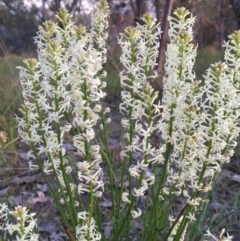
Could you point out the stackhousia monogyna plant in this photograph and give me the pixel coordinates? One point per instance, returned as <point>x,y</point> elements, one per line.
<point>196,121</point>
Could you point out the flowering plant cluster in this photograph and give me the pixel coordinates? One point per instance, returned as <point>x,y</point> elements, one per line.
<point>24,225</point>
<point>197,122</point>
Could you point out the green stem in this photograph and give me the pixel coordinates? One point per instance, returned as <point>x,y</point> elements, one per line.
<point>56,199</point>
<point>88,158</point>
<point>72,210</point>
<point>190,209</point>
<point>154,213</point>
<point>49,154</point>
<point>130,155</point>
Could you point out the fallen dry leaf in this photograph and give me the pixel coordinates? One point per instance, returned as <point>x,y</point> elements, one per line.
<point>40,199</point>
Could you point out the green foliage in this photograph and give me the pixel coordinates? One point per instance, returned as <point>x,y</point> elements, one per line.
<point>15,14</point>
<point>222,211</point>
<point>11,100</point>
<point>113,88</point>
<point>205,57</point>
<point>10,92</point>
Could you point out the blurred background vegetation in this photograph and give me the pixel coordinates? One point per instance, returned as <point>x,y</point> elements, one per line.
<point>19,21</point>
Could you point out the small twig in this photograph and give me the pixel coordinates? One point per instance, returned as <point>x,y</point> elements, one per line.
<point>9,143</point>
<point>232,175</point>
<point>176,221</point>
<point>113,63</point>
<point>68,232</point>
<point>8,180</point>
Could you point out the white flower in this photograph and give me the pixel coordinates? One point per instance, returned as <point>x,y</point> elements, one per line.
<point>108,120</point>
<point>125,197</point>
<point>107,110</point>
<point>139,192</point>
<point>136,214</point>
<point>97,108</point>
<point>4,211</point>
<point>88,229</point>
<point>142,165</point>
<point>191,217</point>
<point>150,178</point>
<point>99,26</point>
<point>90,174</point>
<point>54,116</point>
<point>134,171</point>
<point>220,238</point>
<point>175,229</point>
<point>24,226</point>
<point>89,135</point>
<point>139,52</point>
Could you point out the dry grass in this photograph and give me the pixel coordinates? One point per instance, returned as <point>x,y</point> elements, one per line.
<point>11,100</point>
